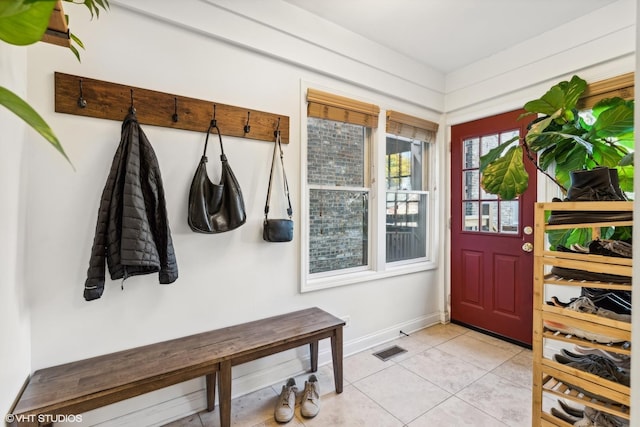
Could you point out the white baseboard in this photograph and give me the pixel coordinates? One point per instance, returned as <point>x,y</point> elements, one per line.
<point>163,406</point>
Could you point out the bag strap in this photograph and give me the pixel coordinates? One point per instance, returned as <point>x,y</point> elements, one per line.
<point>276,146</point>
<point>213,125</point>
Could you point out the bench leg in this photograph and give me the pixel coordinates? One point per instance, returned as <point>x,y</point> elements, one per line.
<point>211,392</point>
<point>224,391</point>
<point>313,349</point>
<point>336,355</point>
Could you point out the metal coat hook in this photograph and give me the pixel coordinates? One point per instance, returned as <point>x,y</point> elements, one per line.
<point>82,103</point>
<point>214,122</point>
<point>277,131</point>
<point>247,128</point>
<point>175,110</point>
<point>132,109</point>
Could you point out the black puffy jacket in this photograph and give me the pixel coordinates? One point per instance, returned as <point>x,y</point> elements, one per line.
<point>132,231</point>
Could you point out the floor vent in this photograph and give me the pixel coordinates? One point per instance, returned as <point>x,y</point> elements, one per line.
<point>388,353</point>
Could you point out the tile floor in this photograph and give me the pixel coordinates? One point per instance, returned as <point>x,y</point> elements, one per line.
<point>450,376</point>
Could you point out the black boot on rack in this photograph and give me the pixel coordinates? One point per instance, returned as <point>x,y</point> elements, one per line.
<point>615,183</point>
<point>600,184</point>
<point>593,185</point>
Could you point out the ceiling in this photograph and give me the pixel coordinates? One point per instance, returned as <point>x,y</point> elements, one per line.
<point>449,34</point>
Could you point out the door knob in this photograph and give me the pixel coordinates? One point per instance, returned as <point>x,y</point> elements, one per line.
<point>527,247</point>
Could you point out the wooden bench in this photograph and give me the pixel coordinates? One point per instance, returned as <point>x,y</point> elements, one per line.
<point>77,387</point>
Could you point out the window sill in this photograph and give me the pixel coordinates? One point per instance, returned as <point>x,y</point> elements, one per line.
<point>311,285</point>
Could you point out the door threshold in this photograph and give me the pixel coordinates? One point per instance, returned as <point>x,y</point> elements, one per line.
<point>492,334</point>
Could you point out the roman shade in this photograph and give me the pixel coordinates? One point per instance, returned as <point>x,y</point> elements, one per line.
<point>328,106</point>
<point>411,127</point>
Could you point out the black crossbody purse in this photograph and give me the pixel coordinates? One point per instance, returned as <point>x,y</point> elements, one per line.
<point>278,230</point>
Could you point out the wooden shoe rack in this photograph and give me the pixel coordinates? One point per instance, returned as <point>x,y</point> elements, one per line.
<point>552,379</point>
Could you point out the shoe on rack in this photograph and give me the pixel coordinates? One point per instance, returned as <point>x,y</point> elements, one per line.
<point>310,403</point>
<point>596,365</point>
<point>586,305</point>
<point>286,402</point>
<point>602,419</point>
<point>611,299</point>
<point>581,275</point>
<point>564,417</point>
<point>598,184</point>
<point>597,354</point>
<point>580,333</point>
<point>622,361</point>
<point>578,413</point>
<point>613,248</point>
<point>570,415</point>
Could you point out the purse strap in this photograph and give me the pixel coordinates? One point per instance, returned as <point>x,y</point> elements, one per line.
<point>213,125</point>
<point>276,146</point>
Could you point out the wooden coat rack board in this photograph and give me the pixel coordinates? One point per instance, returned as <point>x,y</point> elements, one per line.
<point>83,96</point>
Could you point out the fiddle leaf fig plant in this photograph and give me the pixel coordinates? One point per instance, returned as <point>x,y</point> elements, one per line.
<point>564,139</point>
<point>24,22</point>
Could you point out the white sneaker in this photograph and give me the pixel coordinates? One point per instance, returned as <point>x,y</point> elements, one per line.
<point>310,404</point>
<point>286,402</point>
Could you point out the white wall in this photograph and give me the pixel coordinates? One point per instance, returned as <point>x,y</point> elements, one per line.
<point>227,278</point>
<point>15,352</point>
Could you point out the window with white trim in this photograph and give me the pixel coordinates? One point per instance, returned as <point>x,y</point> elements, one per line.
<point>339,184</point>
<point>357,230</point>
<point>407,199</point>
<point>407,187</point>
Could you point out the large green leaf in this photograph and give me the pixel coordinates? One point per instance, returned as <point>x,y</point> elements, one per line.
<point>496,153</point>
<point>620,233</point>
<point>608,103</point>
<point>23,23</point>
<point>606,154</point>
<point>573,159</point>
<point>506,176</point>
<point>573,90</point>
<point>23,110</point>
<point>568,152</point>
<point>548,139</point>
<point>538,128</point>
<point>549,103</point>
<point>625,177</point>
<point>568,237</point>
<point>613,122</point>
<point>561,98</point>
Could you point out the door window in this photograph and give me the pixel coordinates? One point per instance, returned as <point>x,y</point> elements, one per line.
<point>483,212</point>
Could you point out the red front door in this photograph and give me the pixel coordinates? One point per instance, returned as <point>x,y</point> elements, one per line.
<point>491,272</point>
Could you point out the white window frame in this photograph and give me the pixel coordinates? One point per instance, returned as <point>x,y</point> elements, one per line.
<point>377,267</point>
<point>428,177</point>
